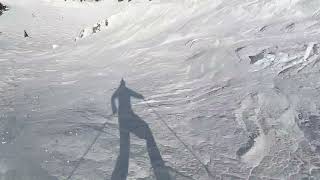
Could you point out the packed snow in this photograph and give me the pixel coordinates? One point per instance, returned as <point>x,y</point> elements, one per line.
<point>231,88</point>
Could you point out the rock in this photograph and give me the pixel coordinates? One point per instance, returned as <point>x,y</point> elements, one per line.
<point>92,30</point>
<point>264,53</point>
<point>256,58</point>
<point>263,28</point>
<point>106,22</point>
<point>290,27</point>
<point>25,34</point>
<point>96,28</point>
<point>247,146</point>
<point>2,8</point>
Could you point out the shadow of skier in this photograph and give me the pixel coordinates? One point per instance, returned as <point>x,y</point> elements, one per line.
<point>129,122</point>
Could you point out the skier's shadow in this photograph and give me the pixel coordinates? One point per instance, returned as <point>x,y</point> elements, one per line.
<point>129,122</point>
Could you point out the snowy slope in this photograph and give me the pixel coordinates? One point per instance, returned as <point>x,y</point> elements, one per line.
<point>237,80</point>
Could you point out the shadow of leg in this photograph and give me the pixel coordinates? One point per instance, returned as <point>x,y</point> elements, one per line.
<point>120,171</point>
<point>160,170</point>
<point>142,130</point>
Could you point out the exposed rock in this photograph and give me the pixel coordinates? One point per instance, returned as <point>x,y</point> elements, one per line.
<point>263,28</point>
<point>92,30</point>
<point>25,34</point>
<point>263,54</point>
<point>247,146</point>
<point>290,27</point>
<point>3,8</point>
<point>256,58</point>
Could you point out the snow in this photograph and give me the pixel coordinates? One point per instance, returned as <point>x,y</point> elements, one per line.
<point>191,59</point>
<point>55,46</point>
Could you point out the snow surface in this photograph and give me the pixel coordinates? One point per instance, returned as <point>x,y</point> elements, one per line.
<point>237,80</point>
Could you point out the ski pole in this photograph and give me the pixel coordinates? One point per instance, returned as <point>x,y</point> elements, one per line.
<point>88,149</point>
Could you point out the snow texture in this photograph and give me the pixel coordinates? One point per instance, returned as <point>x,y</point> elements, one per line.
<point>231,88</point>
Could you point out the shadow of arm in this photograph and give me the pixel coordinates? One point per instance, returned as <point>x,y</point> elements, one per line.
<point>135,94</point>
<point>113,102</point>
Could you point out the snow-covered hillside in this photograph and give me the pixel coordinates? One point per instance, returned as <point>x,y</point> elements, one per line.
<point>236,80</point>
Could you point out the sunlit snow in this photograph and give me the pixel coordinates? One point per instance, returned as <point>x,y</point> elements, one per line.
<point>231,88</point>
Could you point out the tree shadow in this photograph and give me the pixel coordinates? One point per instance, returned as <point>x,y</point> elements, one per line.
<point>129,122</point>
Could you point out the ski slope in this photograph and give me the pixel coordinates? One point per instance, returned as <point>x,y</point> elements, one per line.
<point>236,80</point>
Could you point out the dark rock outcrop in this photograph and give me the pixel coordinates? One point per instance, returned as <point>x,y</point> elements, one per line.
<point>256,58</point>
<point>247,146</point>
<point>3,8</point>
<point>25,34</point>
